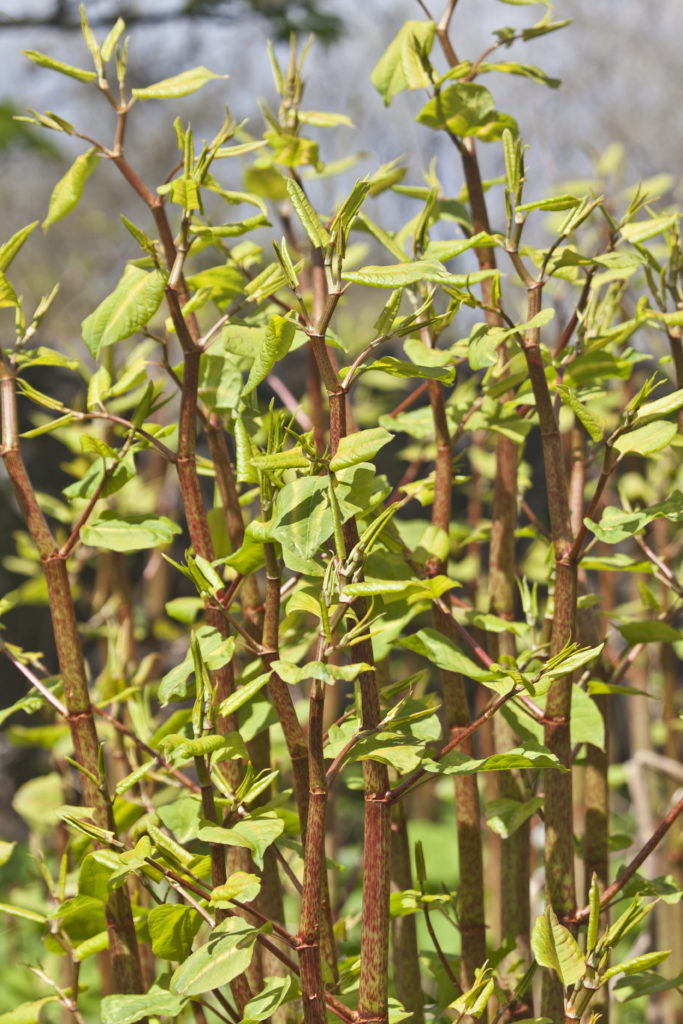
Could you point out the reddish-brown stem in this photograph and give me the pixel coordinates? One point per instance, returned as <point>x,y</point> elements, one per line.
<point>312,987</point>
<point>411,398</point>
<point>403,928</point>
<point>123,947</point>
<point>467,811</point>
<point>374,967</point>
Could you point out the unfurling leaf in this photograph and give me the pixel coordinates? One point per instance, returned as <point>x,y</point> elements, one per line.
<point>275,346</point>
<point>69,189</point>
<point>179,85</point>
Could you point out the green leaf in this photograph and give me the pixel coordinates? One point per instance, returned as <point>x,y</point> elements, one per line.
<point>617,524</point>
<point>307,215</point>
<point>359,447</point>
<point>112,38</point>
<point>562,202</point>
<point>303,517</point>
<point>639,963</point>
<point>122,472</point>
<point>94,874</point>
<point>293,458</point>
<point>117,532</point>
<point>69,189</point>
<point>27,1013</point>
<point>44,61</point>
<point>276,344</point>
<point>442,250</point>
<point>505,816</point>
<point>325,672</point>
<point>275,992</point>
<point>650,633</point>
<point>400,368</point>
<point>8,296</point>
<point>256,833</point>
<point>243,694</point>
<point>226,955</point>
<point>27,915</point>
<point>130,307</point>
<point>441,652</point>
<point>6,850</point>
<point>37,801</point>
<point>592,423</point>
<point>399,275</point>
<point>645,985</point>
<point>216,651</point>
<point>641,230</point>
<point>648,439</point>
<point>466,108</point>
<point>531,755</point>
<point>400,66</point>
<point>555,947</point>
<point>157,1001</point>
<point>586,724</point>
<point>239,886</point>
<point>10,249</point>
<point>179,85</point>
<point>658,407</point>
<point>172,927</point>
<point>510,67</point>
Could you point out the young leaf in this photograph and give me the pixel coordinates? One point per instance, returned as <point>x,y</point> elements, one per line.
<point>179,85</point>
<point>256,834</point>
<point>652,632</point>
<point>112,38</point>
<point>648,439</point>
<point>466,108</point>
<point>8,296</point>
<point>172,928</point>
<point>116,532</point>
<point>307,215</point>
<point>243,694</point>
<point>555,947</point>
<point>617,524</point>
<point>276,344</point>
<point>10,249</point>
<point>239,886</point>
<point>441,652</point>
<point>359,447</point>
<point>43,61</point>
<point>69,189</point>
<point>397,68</point>
<point>275,992</point>
<point>226,955</point>
<point>122,1009</point>
<point>401,274</point>
<point>590,422</point>
<point>658,407</point>
<point>130,307</point>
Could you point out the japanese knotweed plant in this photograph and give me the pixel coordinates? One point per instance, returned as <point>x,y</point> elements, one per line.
<point>301,572</point>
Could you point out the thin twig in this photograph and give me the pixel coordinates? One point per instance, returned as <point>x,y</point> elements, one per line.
<point>34,681</point>
<point>618,884</point>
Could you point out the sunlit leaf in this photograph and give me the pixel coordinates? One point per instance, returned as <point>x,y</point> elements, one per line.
<point>130,307</point>
<point>69,189</point>
<point>129,533</point>
<point>555,947</point>
<point>179,85</point>
<point>226,955</point>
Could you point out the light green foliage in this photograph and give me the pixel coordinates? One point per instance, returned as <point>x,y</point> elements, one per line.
<point>305,544</point>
